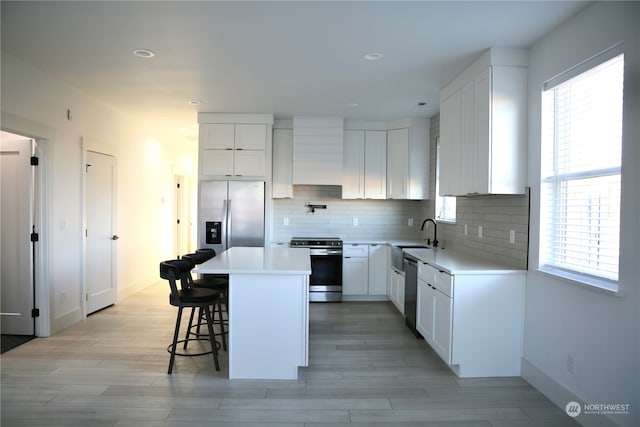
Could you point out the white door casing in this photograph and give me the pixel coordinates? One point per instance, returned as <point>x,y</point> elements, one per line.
<point>16,281</point>
<point>100,230</point>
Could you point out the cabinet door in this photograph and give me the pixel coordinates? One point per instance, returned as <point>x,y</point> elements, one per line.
<point>353,174</point>
<point>378,262</point>
<point>450,140</point>
<point>468,153</point>
<point>397,163</point>
<point>425,310</point>
<point>216,162</point>
<point>396,294</point>
<point>250,163</point>
<point>217,136</point>
<point>482,132</point>
<point>282,163</point>
<point>355,276</point>
<point>375,165</point>
<point>250,137</point>
<point>442,325</point>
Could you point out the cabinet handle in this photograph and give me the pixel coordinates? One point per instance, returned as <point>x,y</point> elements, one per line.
<point>229,149</point>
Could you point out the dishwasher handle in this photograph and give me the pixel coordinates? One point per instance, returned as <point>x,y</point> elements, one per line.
<point>410,261</point>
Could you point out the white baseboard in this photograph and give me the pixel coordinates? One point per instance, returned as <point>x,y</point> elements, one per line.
<point>561,396</point>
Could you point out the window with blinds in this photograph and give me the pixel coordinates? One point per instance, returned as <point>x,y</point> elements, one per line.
<point>581,171</point>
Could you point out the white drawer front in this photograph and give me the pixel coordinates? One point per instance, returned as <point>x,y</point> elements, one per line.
<point>427,273</point>
<point>444,282</point>
<point>355,250</point>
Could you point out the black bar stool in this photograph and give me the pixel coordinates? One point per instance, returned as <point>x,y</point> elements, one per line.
<point>218,283</point>
<point>190,297</point>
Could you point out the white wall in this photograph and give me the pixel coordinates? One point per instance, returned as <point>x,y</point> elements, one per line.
<point>599,330</point>
<point>35,105</point>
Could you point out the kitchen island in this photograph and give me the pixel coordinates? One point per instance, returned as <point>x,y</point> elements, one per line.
<point>268,310</point>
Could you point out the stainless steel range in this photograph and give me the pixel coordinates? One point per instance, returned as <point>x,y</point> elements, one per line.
<point>325,282</point>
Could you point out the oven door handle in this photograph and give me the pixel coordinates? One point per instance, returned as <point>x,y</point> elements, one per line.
<point>326,252</point>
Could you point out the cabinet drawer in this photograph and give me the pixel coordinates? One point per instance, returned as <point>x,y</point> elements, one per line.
<point>355,250</point>
<point>427,273</point>
<point>444,283</point>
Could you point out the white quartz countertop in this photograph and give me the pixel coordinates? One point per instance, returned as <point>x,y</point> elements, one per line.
<point>460,263</point>
<point>243,260</point>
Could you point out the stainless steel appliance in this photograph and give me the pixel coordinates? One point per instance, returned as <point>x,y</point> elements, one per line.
<point>230,213</point>
<point>325,282</point>
<point>411,293</point>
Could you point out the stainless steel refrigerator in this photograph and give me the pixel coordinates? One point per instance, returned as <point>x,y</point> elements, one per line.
<point>230,213</point>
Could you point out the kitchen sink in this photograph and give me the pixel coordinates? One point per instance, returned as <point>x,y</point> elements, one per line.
<point>396,254</point>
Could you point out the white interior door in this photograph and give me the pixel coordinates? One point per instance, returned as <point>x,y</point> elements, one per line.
<point>100,231</point>
<point>16,273</point>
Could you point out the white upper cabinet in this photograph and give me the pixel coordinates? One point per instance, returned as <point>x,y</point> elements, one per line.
<point>318,150</point>
<point>365,164</point>
<point>483,124</point>
<point>282,186</point>
<point>353,173</point>
<point>398,163</point>
<point>408,161</point>
<point>235,145</point>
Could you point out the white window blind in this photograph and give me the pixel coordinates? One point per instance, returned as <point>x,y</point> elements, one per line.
<point>581,171</point>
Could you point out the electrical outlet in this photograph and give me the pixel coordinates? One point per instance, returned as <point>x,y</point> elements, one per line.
<point>410,222</point>
<point>512,236</point>
<point>466,230</point>
<point>355,222</point>
<point>571,364</point>
<point>480,231</point>
<point>285,221</point>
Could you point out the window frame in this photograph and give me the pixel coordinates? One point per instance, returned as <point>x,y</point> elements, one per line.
<point>563,272</point>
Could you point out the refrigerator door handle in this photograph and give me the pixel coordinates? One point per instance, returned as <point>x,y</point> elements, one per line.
<point>225,226</point>
<point>229,226</point>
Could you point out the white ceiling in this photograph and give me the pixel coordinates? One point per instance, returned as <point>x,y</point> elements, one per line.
<point>287,58</point>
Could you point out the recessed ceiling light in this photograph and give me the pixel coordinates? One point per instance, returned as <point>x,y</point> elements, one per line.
<point>194,102</point>
<point>352,104</point>
<point>143,53</point>
<point>373,56</point>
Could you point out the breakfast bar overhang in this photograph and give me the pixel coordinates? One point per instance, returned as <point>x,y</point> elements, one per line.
<point>268,309</point>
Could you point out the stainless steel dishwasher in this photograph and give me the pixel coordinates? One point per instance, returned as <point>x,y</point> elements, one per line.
<point>411,292</point>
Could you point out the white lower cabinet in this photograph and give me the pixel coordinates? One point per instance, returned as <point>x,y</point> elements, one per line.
<point>378,262</point>
<point>442,324</point>
<point>355,270</point>
<point>424,310</point>
<point>474,321</point>
<point>395,290</point>
<point>364,271</point>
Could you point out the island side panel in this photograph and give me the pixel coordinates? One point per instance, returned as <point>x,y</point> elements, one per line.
<point>268,325</point>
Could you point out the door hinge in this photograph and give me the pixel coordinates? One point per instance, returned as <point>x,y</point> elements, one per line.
<point>34,237</point>
<point>178,185</point>
<point>178,221</point>
<point>35,312</point>
<point>34,161</point>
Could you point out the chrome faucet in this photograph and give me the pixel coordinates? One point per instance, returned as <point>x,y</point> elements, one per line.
<point>435,230</point>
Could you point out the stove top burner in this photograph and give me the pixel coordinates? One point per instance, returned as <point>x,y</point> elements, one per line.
<point>316,242</point>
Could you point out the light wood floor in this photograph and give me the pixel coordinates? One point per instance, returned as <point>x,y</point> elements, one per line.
<point>365,369</point>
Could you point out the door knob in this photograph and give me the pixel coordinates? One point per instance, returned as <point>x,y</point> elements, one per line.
<point>115,237</point>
